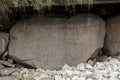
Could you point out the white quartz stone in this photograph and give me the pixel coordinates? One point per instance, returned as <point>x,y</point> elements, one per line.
<point>107,70</point>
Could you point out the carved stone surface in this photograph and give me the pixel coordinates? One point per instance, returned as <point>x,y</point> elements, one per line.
<point>50,43</point>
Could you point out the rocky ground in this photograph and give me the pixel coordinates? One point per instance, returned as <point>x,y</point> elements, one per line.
<point>108,69</point>
<point>16,66</point>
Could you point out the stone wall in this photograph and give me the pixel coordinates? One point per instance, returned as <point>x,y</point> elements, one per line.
<point>49,43</point>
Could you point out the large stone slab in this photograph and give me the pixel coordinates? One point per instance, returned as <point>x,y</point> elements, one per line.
<point>86,34</point>
<point>50,43</point>
<point>112,41</point>
<point>3,42</point>
<point>7,78</point>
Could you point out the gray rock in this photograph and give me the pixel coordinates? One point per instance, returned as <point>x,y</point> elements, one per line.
<point>47,78</point>
<point>88,32</point>
<point>8,78</point>
<point>3,42</point>
<point>1,66</point>
<point>112,41</point>
<point>6,63</point>
<point>50,43</point>
<point>8,71</point>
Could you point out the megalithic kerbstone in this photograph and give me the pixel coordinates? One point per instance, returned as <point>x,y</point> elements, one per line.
<point>3,42</point>
<point>112,40</point>
<point>50,43</point>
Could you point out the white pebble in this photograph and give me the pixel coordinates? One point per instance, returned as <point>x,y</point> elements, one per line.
<point>58,77</point>
<point>107,70</point>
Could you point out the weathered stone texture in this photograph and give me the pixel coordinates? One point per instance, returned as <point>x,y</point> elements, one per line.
<point>3,42</point>
<point>112,41</point>
<point>8,78</point>
<point>50,43</point>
